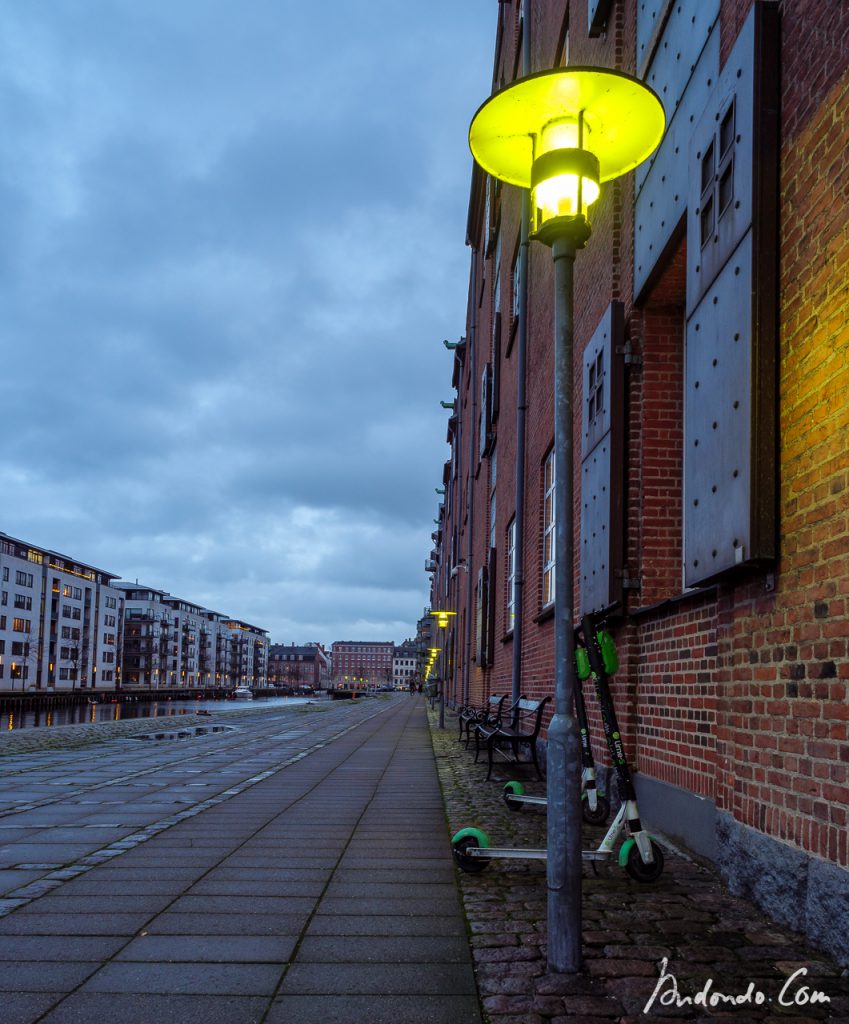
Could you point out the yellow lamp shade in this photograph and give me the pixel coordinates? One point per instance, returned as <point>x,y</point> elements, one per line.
<point>620,119</point>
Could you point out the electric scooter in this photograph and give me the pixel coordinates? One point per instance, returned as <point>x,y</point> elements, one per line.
<point>639,854</point>
<point>595,807</point>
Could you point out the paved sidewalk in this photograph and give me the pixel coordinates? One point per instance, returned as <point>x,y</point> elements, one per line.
<point>687,917</point>
<point>322,893</point>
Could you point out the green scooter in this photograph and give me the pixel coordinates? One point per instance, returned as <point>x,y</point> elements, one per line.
<point>595,807</point>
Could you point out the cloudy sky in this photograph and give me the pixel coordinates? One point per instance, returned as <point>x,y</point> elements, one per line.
<point>232,242</point>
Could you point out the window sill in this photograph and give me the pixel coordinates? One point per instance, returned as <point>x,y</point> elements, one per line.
<point>546,614</point>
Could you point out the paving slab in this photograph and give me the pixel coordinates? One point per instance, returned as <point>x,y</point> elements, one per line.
<point>273,949</point>
<point>374,1009</point>
<point>139,1008</point>
<point>25,1007</point>
<point>187,978</point>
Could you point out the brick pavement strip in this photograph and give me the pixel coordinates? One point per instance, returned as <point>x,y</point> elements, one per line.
<point>687,918</point>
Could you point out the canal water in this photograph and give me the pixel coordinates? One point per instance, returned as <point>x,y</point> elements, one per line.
<point>76,714</point>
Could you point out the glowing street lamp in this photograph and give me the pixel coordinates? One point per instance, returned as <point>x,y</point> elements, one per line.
<point>442,620</point>
<point>562,133</point>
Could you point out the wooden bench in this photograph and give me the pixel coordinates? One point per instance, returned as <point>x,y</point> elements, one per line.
<point>511,732</point>
<point>471,716</point>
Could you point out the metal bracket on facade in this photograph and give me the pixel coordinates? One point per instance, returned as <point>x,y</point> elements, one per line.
<point>630,357</point>
<point>629,582</point>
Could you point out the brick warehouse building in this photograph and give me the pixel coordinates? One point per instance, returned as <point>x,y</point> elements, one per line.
<point>711,415</point>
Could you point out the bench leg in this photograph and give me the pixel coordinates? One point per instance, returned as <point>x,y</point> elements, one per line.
<point>489,754</point>
<point>534,758</point>
<point>477,745</point>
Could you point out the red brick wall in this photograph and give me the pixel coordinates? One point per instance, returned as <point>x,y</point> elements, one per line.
<point>740,693</point>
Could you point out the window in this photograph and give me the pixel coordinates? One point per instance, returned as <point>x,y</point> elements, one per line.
<point>548,521</point>
<point>2,621</point>
<point>23,579</point>
<point>66,590</point>
<point>5,598</point>
<point>5,573</point>
<point>109,657</point>
<point>107,676</point>
<point>35,556</point>
<point>109,638</point>
<point>19,648</point>
<point>511,574</point>
<point>22,601</point>
<point>111,602</point>
<point>21,625</point>
<point>108,620</point>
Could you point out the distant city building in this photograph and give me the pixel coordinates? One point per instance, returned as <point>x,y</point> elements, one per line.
<point>298,667</point>
<point>361,664</point>
<point>405,663</point>
<point>60,621</point>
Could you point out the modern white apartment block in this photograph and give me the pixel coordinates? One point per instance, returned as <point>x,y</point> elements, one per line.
<point>68,626</point>
<point>61,621</point>
<point>172,643</point>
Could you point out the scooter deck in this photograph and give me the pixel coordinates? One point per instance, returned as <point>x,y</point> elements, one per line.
<point>511,853</point>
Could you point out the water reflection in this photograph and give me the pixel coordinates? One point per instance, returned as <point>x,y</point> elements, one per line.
<point>84,713</point>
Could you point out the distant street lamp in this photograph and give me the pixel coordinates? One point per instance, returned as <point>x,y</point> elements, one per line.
<point>442,620</point>
<point>562,133</point>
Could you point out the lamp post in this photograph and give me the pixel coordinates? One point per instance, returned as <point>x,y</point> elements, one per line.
<point>442,620</point>
<point>562,133</point>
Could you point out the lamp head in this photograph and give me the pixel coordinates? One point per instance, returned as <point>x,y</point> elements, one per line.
<point>562,133</point>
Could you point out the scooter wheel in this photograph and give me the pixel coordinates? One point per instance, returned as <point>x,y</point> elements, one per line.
<point>641,872</point>
<point>513,789</point>
<point>601,813</point>
<point>471,865</point>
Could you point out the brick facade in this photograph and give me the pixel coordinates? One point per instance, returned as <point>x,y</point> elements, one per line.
<point>736,692</point>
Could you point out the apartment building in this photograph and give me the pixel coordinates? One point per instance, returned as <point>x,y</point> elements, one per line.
<point>711,406</point>
<point>170,642</point>
<point>60,621</point>
<point>405,663</point>
<point>296,666</point>
<point>361,664</point>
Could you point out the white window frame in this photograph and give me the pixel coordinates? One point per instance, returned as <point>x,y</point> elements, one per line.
<point>549,519</point>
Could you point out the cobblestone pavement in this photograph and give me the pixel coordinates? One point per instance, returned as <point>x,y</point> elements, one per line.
<point>687,919</point>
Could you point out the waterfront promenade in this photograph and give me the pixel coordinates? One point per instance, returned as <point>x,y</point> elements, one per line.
<point>293,868</point>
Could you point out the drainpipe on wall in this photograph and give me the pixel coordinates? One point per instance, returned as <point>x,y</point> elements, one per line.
<point>521,404</point>
<point>473,338</point>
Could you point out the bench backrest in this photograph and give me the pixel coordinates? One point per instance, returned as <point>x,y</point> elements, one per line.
<point>531,710</point>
